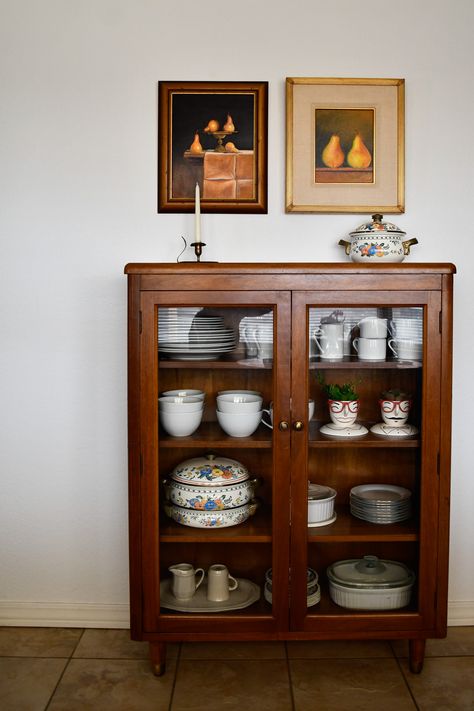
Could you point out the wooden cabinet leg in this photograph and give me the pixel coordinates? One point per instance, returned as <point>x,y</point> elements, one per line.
<point>158,657</point>
<point>417,654</point>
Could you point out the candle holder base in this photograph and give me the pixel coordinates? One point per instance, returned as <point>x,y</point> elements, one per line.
<point>197,251</point>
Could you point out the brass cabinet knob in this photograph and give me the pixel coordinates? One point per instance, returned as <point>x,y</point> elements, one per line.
<point>283,426</point>
<point>298,425</point>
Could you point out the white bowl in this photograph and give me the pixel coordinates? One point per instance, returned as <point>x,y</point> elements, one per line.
<point>239,403</point>
<point>371,599</point>
<point>184,393</point>
<point>239,424</point>
<point>180,404</point>
<point>180,424</point>
<point>239,392</point>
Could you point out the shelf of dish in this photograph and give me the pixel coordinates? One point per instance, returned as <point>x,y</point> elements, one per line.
<point>209,434</point>
<point>258,529</point>
<point>353,363</point>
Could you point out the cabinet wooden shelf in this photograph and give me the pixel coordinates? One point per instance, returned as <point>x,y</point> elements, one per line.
<point>284,304</point>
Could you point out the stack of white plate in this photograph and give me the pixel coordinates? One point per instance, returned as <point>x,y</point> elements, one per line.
<point>186,334</point>
<point>313,591</point>
<point>380,503</point>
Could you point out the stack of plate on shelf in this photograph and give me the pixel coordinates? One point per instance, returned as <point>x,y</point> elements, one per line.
<point>381,503</point>
<point>186,334</point>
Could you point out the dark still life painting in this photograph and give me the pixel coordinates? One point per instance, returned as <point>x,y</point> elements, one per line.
<point>344,145</point>
<point>213,134</point>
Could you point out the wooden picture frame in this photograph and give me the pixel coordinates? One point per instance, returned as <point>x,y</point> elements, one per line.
<point>345,145</point>
<point>213,133</point>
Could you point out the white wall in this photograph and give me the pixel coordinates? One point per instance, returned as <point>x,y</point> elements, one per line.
<point>78,140</point>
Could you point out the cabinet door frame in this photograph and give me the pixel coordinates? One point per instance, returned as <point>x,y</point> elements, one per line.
<point>430,586</point>
<point>145,522</point>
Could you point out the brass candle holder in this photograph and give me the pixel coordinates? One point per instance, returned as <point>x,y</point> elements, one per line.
<point>198,246</point>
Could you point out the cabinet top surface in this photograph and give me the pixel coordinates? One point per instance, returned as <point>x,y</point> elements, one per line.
<point>289,268</point>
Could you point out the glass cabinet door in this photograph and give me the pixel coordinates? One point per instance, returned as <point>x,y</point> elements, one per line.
<point>365,481</point>
<point>215,483</point>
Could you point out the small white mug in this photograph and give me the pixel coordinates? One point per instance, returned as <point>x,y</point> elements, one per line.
<point>370,348</point>
<point>220,583</point>
<point>406,349</point>
<point>373,327</point>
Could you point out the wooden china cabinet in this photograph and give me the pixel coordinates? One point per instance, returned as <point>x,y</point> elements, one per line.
<point>416,299</point>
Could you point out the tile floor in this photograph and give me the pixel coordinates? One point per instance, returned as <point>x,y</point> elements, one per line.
<point>102,670</point>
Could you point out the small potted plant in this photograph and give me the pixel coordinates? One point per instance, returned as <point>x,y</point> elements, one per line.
<point>343,402</point>
<point>395,406</point>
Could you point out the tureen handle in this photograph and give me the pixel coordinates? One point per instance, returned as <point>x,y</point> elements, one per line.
<point>407,244</point>
<point>347,246</point>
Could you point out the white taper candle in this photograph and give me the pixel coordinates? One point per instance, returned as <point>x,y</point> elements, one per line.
<point>197,236</point>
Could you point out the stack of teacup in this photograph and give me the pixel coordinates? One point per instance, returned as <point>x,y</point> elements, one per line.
<point>407,343</point>
<point>181,411</point>
<point>372,343</point>
<point>239,412</point>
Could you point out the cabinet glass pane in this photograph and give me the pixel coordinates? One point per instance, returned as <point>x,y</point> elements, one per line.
<point>364,464</point>
<point>216,468</point>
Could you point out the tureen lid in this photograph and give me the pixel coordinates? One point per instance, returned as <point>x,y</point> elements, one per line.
<point>370,572</point>
<point>210,470</point>
<point>377,226</point>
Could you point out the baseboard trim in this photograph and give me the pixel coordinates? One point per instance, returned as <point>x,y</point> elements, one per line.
<point>61,614</point>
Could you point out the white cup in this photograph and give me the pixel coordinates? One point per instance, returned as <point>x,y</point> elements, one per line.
<point>269,412</point>
<point>373,327</point>
<point>406,349</point>
<point>370,348</point>
<point>329,339</point>
<point>220,583</point>
<point>239,403</point>
<point>239,424</point>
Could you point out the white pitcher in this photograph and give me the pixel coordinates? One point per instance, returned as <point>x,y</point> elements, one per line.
<point>184,580</point>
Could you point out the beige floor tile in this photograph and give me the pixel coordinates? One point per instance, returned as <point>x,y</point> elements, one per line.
<point>115,644</point>
<point>349,685</point>
<point>232,685</point>
<point>38,641</point>
<point>339,650</point>
<point>233,650</point>
<point>27,684</point>
<point>445,684</point>
<point>121,685</point>
<point>459,642</point>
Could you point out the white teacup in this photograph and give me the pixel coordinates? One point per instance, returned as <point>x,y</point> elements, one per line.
<point>269,412</point>
<point>239,403</point>
<point>220,583</point>
<point>370,348</point>
<point>329,339</point>
<point>406,349</point>
<point>373,327</point>
<point>239,424</point>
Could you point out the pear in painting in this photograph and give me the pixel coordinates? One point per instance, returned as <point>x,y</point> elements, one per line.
<point>333,155</point>
<point>229,125</point>
<point>195,146</point>
<point>359,155</point>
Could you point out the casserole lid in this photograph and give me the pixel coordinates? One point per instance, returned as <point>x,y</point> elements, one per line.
<point>210,470</point>
<point>318,492</point>
<point>370,572</point>
<point>377,227</point>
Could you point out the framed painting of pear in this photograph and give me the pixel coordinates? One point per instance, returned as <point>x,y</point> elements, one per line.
<point>213,134</point>
<point>345,145</point>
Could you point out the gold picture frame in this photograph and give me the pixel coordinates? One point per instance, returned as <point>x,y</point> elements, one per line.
<point>345,145</point>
